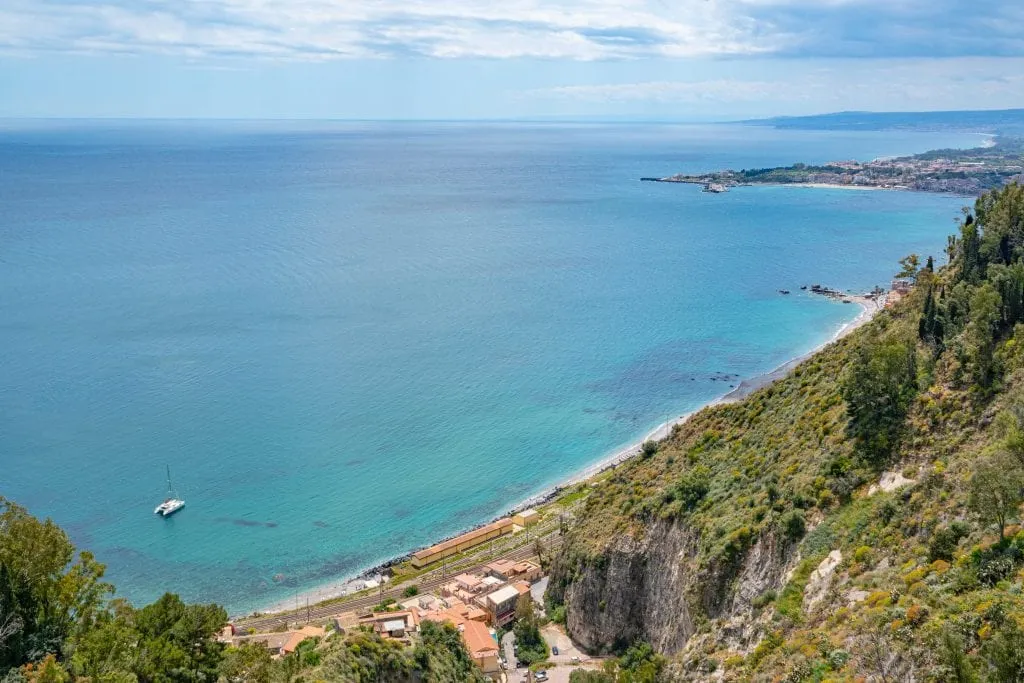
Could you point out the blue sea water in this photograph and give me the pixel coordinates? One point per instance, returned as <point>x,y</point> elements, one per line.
<point>350,340</point>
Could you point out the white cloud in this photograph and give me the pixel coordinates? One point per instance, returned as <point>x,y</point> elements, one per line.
<point>673,91</point>
<point>840,85</point>
<point>571,29</point>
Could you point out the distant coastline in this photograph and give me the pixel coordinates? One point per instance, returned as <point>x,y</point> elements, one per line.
<point>338,588</point>
<point>966,172</point>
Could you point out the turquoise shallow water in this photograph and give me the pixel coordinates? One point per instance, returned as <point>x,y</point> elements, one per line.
<point>349,340</point>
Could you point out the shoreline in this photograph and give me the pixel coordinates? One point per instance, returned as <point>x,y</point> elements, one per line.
<point>345,586</point>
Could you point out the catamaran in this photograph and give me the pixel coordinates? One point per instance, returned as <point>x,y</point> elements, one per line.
<point>173,503</point>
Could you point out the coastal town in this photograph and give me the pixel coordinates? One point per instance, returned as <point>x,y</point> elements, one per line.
<point>461,581</point>
<point>963,172</point>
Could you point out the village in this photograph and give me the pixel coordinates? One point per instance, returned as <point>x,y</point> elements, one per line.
<point>964,172</point>
<point>482,603</point>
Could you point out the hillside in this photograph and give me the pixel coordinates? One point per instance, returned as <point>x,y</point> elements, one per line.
<point>855,520</point>
<point>1005,121</point>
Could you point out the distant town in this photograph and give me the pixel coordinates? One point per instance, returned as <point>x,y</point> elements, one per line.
<point>965,172</point>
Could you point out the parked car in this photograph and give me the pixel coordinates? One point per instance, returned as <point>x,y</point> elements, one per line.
<point>540,676</point>
<point>554,649</point>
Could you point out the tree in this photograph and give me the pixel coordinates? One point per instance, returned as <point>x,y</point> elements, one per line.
<point>249,663</point>
<point>532,647</point>
<point>995,490</point>
<point>910,264</point>
<point>878,388</point>
<point>442,655</point>
<point>692,487</point>
<point>649,448</point>
<point>46,596</point>
<point>177,641</point>
<point>1005,652</point>
<point>980,335</point>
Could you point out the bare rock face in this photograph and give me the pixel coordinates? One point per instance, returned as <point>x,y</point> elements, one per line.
<point>650,588</point>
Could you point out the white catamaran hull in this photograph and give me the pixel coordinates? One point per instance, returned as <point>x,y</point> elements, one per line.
<point>169,507</point>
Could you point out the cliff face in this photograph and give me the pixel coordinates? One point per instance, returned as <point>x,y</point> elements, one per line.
<point>650,588</point>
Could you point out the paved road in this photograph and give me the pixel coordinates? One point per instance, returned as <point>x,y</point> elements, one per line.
<point>427,584</point>
<point>508,642</point>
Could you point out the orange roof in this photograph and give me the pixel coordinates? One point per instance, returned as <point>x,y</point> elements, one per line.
<point>501,566</point>
<point>300,635</point>
<point>478,639</point>
<point>522,587</point>
<point>468,580</point>
<point>468,536</point>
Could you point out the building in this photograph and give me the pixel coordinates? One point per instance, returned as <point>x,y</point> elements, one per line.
<point>470,539</point>
<point>346,621</point>
<point>482,646</point>
<point>902,285</point>
<point>274,642</point>
<point>457,614</point>
<point>302,634</point>
<point>280,644</point>
<point>500,605</point>
<point>398,625</point>
<point>526,518</point>
<point>510,570</point>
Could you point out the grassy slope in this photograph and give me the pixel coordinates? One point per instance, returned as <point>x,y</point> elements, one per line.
<point>783,453</point>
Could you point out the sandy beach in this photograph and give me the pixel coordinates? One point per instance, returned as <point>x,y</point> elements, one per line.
<point>869,307</point>
<point>833,186</point>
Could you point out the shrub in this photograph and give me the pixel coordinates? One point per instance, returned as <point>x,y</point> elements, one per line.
<point>692,487</point>
<point>649,448</point>
<point>944,542</point>
<point>411,591</point>
<point>793,525</point>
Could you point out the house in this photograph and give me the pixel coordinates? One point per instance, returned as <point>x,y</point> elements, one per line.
<point>274,642</point>
<point>465,587</point>
<point>483,648</point>
<point>510,570</point>
<point>902,285</point>
<point>470,539</point>
<point>457,614</point>
<point>500,605</point>
<point>526,518</point>
<point>302,634</point>
<point>346,621</point>
<point>392,624</point>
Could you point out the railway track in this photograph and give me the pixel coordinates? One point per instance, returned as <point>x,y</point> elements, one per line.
<point>429,583</point>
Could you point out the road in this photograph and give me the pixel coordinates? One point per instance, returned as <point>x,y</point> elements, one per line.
<point>508,644</point>
<point>428,583</point>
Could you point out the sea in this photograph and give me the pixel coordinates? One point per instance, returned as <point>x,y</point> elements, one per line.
<point>348,340</point>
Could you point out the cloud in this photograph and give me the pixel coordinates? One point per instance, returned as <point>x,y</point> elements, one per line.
<point>566,29</point>
<point>845,84</point>
<point>722,90</point>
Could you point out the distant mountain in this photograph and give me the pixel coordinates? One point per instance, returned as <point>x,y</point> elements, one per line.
<point>1006,121</point>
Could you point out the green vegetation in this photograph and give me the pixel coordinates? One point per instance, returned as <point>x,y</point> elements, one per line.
<point>901,446</point>
<point>60,623</point>
<point>530,645</point>
<point>638,664</point>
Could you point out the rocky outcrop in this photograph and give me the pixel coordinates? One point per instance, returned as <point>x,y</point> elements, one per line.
<point>649,587</point>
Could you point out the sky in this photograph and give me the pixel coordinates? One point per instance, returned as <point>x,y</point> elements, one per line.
<point>506,59</point>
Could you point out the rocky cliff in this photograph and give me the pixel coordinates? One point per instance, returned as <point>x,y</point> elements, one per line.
<point>652,588</point>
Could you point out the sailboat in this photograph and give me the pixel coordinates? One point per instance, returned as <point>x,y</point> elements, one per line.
<point>173,503</point>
